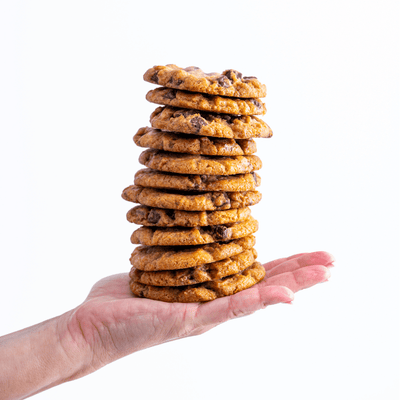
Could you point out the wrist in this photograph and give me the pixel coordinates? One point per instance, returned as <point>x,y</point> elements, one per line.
<point>40,357</point>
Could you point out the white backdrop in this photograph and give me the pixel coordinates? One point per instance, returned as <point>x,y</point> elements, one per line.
<point>71,98</point>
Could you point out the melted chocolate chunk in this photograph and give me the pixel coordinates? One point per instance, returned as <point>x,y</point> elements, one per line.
<point>229,74</point>
<point>170,94</point>
<point>256,103</point>
<point>154,78</point>
<point>218,232</point>
<point>153,217</point>
<point>225,117</point>
<point>185,113</point>
<point>220,199</point>
<point>141,213</point>
<point>197,123</point>
<point>223,81</point>
<point>170,214</point>
<point>247,78</point>
<point>188,69</point>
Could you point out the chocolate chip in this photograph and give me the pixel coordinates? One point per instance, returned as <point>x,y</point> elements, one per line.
<point>171,94</point>
<point>188,69</point>
<point>196,181</point>
<point>185,113</point>
<point>225,117</point>
<point>178,82</point>
<point>141,213</point>
<point>229,74</point>
<point>247,78</point>
<point>256,103</point>
<point>170,214</point>
<point>154,78</point>
<point>220,199</point>
<point>223,81</point>
<point>197,123</point>
<point>153,217</point>
<point>218,232</point>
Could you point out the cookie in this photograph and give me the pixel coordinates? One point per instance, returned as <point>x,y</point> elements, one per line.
<point>209,124</point>
<point>183,143</point>
<point>179,163</point>
<point>147,216</point>
<point>206,102</point>
<point>165,180</point>
<point>192,276</point>
<point>228,83</point>
<point>159,258</point>
<point>204,291</point>
<point>190,201</point>
<point>181,236</point>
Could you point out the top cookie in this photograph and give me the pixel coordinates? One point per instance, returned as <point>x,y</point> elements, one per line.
<point>228,83</point>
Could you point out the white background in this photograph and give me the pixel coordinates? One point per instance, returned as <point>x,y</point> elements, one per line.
<point>71,98</point>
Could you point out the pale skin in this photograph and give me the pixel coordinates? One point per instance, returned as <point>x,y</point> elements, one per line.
<point>111,323</point>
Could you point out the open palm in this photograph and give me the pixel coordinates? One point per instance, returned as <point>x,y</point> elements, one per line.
<point>113,323</point>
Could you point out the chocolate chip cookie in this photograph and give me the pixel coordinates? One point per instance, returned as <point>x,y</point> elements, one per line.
<point>228,83</point>
<point>209,124</point>
<point>165,180</point>
<point>189,144</point>
<point>192,276</point>
<point>148,216</point>
<point>190,201</point>
<point>203,291</point>
<point>194,164</point>
<point>206,102</point>
<point>159,258</point>
<point>181,236</point>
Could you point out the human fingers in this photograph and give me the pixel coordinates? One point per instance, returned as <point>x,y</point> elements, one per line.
<point>299,279</point>
<point>307,259</point>
<point>240,304</point>
<point>273,264</point>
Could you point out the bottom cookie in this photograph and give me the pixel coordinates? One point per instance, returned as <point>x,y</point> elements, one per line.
<point>204,291</point>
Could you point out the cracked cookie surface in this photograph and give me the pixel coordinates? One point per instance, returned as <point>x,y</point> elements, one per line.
<point>164,180</point>
<point>204,123</point>
<point>206,102</point>
<point>181,236</point>
<point>228,83</point>
<point>192,276</point>
<point>159,258</point>
<point>204,291</point>
<point>194,164</point>
<point>190,201</point>
<point>149,216</point>
<point>190,144</point>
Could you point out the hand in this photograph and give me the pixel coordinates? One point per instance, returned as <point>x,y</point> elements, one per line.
<point>112,323</point>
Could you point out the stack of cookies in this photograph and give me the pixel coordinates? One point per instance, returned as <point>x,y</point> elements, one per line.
<point>197,234</point>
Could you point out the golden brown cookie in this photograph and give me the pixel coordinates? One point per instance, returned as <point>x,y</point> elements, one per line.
<point>181,236</point>
<point>165,180</point>
<point>203,291</point>
<point>183,143</point>
<point>209,124</point>
<point>206,102</point>
<point>190,201</point>
<point>159,258</point>
<point>192,276</point>
<point>228,83</point>
<point>179,163</point>
<point>148,216</point>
